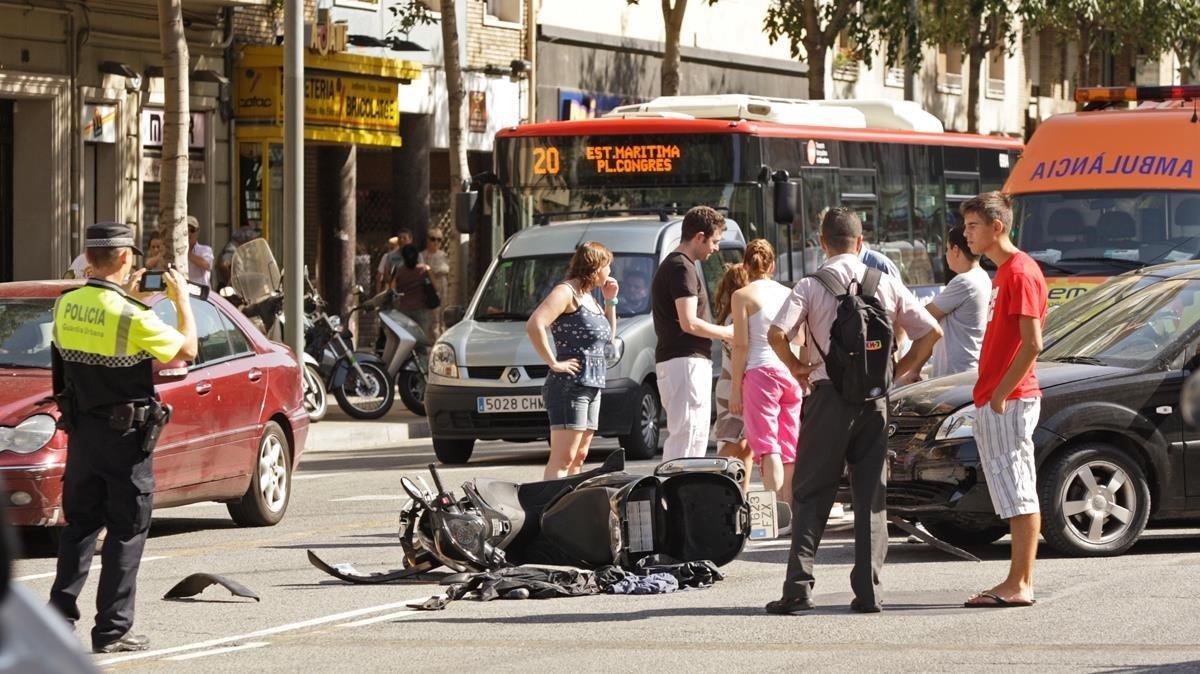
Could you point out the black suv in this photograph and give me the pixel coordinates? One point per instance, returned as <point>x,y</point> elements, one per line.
<point>1111,447</point>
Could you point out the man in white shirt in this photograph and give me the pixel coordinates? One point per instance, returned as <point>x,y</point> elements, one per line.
<point>961,308</point>
<point>200,256</point>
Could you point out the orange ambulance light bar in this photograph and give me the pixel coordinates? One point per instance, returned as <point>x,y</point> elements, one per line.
<point>1136,94</point>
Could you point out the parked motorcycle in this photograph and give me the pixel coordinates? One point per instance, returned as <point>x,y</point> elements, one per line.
<point>405,352</point>
<point>257,277</point>
<point>688,510</point>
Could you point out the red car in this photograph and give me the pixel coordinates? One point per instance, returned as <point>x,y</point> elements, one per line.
<point>238,428</point>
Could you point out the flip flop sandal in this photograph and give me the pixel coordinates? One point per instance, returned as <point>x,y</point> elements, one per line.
<point>996,602</point>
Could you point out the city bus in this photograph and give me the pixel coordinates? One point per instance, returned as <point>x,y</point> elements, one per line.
<point>889,160</point>
<point>1110,188</point>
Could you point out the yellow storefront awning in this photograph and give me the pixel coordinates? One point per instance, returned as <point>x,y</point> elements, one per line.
<point>348,98</point>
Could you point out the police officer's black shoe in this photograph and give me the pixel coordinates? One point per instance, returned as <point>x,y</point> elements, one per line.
<point>129,642</point>
<point>789,606</point>
<point>863,607</point>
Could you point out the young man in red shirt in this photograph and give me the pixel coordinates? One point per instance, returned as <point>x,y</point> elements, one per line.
<point>1007,395</point>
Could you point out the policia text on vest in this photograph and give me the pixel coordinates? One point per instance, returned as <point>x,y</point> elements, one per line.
<point>104,341</point>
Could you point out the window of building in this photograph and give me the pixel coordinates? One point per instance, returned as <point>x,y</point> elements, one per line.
<point>846,57</point>
<point>949,69</point>
<point>995,73</point>
<point>505,11</point>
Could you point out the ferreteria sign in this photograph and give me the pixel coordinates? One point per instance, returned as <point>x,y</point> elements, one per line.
<point>347,97</point>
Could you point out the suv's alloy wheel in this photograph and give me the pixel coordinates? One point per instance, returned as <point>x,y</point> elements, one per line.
<point>1096,501</point>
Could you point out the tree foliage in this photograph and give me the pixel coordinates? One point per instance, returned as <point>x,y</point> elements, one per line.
<point>1174,25</point>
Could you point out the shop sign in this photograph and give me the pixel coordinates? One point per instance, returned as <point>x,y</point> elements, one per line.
<point>153,124</point>
<point>478,114</point>
<point>152,170</point>
<point>326,37</point>
<point>329,99</point>
<point>99,123</point>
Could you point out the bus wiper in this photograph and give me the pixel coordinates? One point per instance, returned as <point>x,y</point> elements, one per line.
<point>1083,360</point>
<point>1120,262</point>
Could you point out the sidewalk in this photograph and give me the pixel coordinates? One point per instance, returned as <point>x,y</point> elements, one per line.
<point>339,431</point>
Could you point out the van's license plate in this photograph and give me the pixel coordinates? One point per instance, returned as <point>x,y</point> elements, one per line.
<point>500,404</point>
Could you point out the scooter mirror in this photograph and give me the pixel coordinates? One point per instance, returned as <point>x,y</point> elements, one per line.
<point>413,491</point>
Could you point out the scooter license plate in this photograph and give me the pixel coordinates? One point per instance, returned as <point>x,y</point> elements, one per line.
<point>507,404</point>
<point>764,520</point>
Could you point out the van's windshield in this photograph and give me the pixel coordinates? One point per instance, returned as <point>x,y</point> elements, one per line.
<point>517,285</point>
<point>1074,232</point>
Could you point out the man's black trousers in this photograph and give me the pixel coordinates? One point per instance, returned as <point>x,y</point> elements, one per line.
<point>834,433</point>
<point>108,482</point>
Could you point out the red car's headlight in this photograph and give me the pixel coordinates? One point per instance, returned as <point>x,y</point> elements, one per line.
<point>28,436</point>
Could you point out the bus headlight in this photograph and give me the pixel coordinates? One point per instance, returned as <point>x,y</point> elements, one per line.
<point>443,361</point>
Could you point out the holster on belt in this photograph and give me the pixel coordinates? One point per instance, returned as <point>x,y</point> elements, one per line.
<point>150,417</point>
<point>67,409</point>
<point>158,416</point>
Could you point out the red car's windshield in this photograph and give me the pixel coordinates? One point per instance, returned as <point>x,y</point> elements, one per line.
<point>26,328</point>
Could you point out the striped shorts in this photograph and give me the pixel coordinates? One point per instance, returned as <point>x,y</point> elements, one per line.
<point>1005,444</point>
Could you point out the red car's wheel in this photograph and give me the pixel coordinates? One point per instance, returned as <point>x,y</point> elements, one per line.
<point>266,500</point>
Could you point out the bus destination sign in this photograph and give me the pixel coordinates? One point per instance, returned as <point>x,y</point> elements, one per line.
<point>633,158</point>
<point>606,160</point>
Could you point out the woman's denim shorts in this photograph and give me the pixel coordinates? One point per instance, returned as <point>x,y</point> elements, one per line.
<point>570,405</point>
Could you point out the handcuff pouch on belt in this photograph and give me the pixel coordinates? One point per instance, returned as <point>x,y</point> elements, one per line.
<point>150,417</point>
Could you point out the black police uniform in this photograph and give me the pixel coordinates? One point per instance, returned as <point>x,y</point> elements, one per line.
<point>103,379</point>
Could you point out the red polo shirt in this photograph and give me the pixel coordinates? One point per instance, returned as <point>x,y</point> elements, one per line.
<point>1019,289</point>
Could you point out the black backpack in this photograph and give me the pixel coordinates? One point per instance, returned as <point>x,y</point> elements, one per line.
<point>859,362</point>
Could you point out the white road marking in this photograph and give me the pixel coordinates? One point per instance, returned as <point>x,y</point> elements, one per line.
<point>201,504</point>
<point>93,567</point>
<point>399,615</point>
<point>312,476</point>
<point>368,497</point>
<point>219,651</point>
<point>289,627</point>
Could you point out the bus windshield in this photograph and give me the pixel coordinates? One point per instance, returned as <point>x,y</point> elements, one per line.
<point>1108,230</point>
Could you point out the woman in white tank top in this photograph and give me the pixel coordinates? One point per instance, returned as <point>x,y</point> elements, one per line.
<point>763,391</point>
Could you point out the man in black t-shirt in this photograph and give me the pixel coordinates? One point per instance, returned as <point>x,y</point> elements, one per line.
<point>683,324</point>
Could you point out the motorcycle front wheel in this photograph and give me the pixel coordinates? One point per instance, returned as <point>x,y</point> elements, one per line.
<point>412,391</point>
<point>316,400</point>
<point>367,397</point>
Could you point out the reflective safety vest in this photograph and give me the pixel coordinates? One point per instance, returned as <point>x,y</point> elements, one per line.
<point>103,343</point>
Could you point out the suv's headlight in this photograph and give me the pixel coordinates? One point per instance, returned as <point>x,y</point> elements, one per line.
<point>442,361</point>
<point>29,436</point>
<point>961,424</point>
<point>613,351</point>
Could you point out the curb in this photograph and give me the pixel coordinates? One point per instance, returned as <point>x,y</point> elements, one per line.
<point>332,436</point>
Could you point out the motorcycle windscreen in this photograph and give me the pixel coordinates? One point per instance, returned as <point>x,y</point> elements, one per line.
<point>254,273</point>
<point>705,517</point>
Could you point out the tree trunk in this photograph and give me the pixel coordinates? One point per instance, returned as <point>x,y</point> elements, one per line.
<point>817,55</point>
<point>339,166</point>
<point>1083,59</point>
<point>459,169</point>
<point>673,18</point>
<point>976,55</point>
<point>410,176</point>
<point>172,214</point>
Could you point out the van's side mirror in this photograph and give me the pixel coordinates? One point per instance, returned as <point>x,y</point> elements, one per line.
<point>787,198</point>
<point>468,212</point>
<point>174,370</point>
<point>453,314</point>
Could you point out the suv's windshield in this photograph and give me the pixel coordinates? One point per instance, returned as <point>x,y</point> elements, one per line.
<point>1119,230</point>
<point>1136,330</point>
<point>518,285</point>
<point>26,328</point>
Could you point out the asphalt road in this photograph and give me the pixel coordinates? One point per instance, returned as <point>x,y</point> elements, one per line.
<point>1128,613</point>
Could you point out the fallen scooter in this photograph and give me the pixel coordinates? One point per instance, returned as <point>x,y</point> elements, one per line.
<point>689,510</point>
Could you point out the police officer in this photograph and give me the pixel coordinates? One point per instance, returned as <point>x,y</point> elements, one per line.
<point>104,340</point>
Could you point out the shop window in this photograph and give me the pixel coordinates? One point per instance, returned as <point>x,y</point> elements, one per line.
<point>505,11</point>
<point>949,69</point>
<point>995,73</point>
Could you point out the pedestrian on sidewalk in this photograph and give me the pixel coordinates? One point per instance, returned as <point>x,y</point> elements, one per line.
<point>764,392</point>
<point>578,368</point>
<point>200,256</point>
<point>390,258</point>
<point>409,279</point>
<point>439,269</point>
<point>728,429</point>
<point>849,313</point>
<point>684,327</point>
<point>961,308</point>
<point>1007,395</point>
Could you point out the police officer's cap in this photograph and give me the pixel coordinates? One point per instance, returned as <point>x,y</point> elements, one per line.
<point>111,235</point>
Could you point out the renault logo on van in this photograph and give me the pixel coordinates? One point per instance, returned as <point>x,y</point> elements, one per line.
<point>514,374</point>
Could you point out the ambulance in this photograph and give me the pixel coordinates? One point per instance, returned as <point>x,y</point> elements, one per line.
<point>1112,188</point>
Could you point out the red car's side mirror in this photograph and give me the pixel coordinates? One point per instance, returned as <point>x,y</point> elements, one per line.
<point>174,370</point>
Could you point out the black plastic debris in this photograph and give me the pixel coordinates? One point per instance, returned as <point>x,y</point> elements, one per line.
<point>197,582</point>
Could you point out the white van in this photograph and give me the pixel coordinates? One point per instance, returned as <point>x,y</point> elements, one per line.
<point>485,379</point>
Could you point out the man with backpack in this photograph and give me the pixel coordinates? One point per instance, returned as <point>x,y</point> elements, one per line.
<point>848,313</point>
